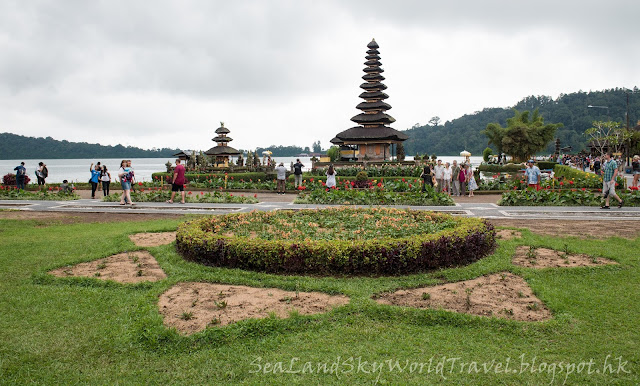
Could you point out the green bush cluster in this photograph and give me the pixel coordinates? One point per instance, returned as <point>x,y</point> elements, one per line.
<point>470,239</point>
<point>375,196</point>
<point>198,177</point>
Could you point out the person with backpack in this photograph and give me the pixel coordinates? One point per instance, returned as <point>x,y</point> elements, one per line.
<point>297,172</point>
<point>42,173</point>
<point>105,178</point>
<point>21,173</point>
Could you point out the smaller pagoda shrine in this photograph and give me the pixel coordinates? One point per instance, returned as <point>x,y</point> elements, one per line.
<point>222,151</point>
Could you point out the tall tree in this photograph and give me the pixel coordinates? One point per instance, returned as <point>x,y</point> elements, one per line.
<point>434,121</point>
<point>608,136</point>
<point>317,148</point>
<point>495,133</point>
<point>527,134</point>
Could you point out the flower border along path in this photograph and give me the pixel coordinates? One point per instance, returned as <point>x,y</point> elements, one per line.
<point>336,241</point>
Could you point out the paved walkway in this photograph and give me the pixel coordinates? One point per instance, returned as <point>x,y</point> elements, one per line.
<point>479,206</point>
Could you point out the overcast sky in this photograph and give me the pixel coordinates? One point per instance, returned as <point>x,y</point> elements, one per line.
<point>165,73</point>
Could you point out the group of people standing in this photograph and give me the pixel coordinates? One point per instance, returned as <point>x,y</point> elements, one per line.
<point>21,175</point>
<point>100,175</point>
<point>453,180</point>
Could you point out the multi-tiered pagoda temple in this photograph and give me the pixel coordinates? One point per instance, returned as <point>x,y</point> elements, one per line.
<point>222,151</point>
<point>373,138</point>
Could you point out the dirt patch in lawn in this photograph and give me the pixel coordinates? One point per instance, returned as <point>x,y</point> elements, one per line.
<point>128,267</point>
<point>44,219</point>
<point>503,295</point>
<point>578,228</point>
<point>153,239</point>
<point>192,307</point>
<point>508,234</point>
<point>546,258</point>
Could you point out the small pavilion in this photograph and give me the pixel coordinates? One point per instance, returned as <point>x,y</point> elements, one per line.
<point>222,151</point>
<point>372,139</point>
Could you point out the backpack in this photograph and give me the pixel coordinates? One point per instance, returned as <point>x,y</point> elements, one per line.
<point>45,172</point>
<point>21,172</point>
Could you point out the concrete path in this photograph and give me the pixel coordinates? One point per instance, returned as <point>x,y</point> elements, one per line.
<point>482,206</point>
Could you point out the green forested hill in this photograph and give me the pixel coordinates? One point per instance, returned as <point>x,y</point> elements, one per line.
<point>569,109</point>
<point>13,146</point>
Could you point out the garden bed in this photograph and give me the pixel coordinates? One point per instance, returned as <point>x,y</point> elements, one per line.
<point>192,307</point>
<point>501,295</point>
<point>127,267</point>
<point>159,195</point>
<point>532,257</point>
<point>153,239</point>
<point>336,241</point>
<point>571,197</point>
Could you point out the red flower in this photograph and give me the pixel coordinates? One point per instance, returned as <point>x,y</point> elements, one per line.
<point>379,184</point>
<point>561,183</point>
<point>230,195</point>
<point>189,193</point>
<point>570,182</point>
<point>255,196</point>
<point>410,186</point>
<point>311,179</point>
<point>201,193</point>
<point>50,188</point>
<point>142,190</point>
<point>403,180</point>
<point>583,189</point>
<point>139,183</point>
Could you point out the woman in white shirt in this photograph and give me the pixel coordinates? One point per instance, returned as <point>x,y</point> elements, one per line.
<point>447,179</point>
<point>331,177</point>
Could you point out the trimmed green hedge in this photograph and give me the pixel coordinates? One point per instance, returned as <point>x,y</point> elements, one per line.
<point>470,240</point>
<point>196,177</point>
<point>512,168</point>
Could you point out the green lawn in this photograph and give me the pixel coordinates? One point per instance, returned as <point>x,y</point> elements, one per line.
<point>71,330</point>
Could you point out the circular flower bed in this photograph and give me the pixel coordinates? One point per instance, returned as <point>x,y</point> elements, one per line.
<point>336,241</point>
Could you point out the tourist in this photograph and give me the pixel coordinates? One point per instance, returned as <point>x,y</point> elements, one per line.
<point>105,177</point>
<point>532,174</point>
<point>65,188</point>
<point>126,176</point>
<point>471,180</point>
<point>455,174</point>
<point>427,177</point>
<point>635,168</point>
<point>439,174</point>
<point>462,178</point>
<point>597,165</point>
<point>95,177</point>
<point>447,178</point>
<point>42,173</point>
<point>609,181</point>
<point>281,175</point>
<point>21,174</point>
<point>331,177</point>
<point>177,183</point>
<point>297,172</point>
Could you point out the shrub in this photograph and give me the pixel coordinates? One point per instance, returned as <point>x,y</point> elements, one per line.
<point>453,241</point>
<point>375,196</point>
<point>10,179</point>
<point>486,153</point>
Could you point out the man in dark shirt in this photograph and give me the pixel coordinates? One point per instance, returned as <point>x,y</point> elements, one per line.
<point>21,173</point>
<point>297,172</point>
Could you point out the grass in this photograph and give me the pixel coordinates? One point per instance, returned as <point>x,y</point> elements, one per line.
<point>84,330</point>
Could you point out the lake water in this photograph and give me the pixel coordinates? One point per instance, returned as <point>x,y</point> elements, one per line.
<point>77,170</point>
